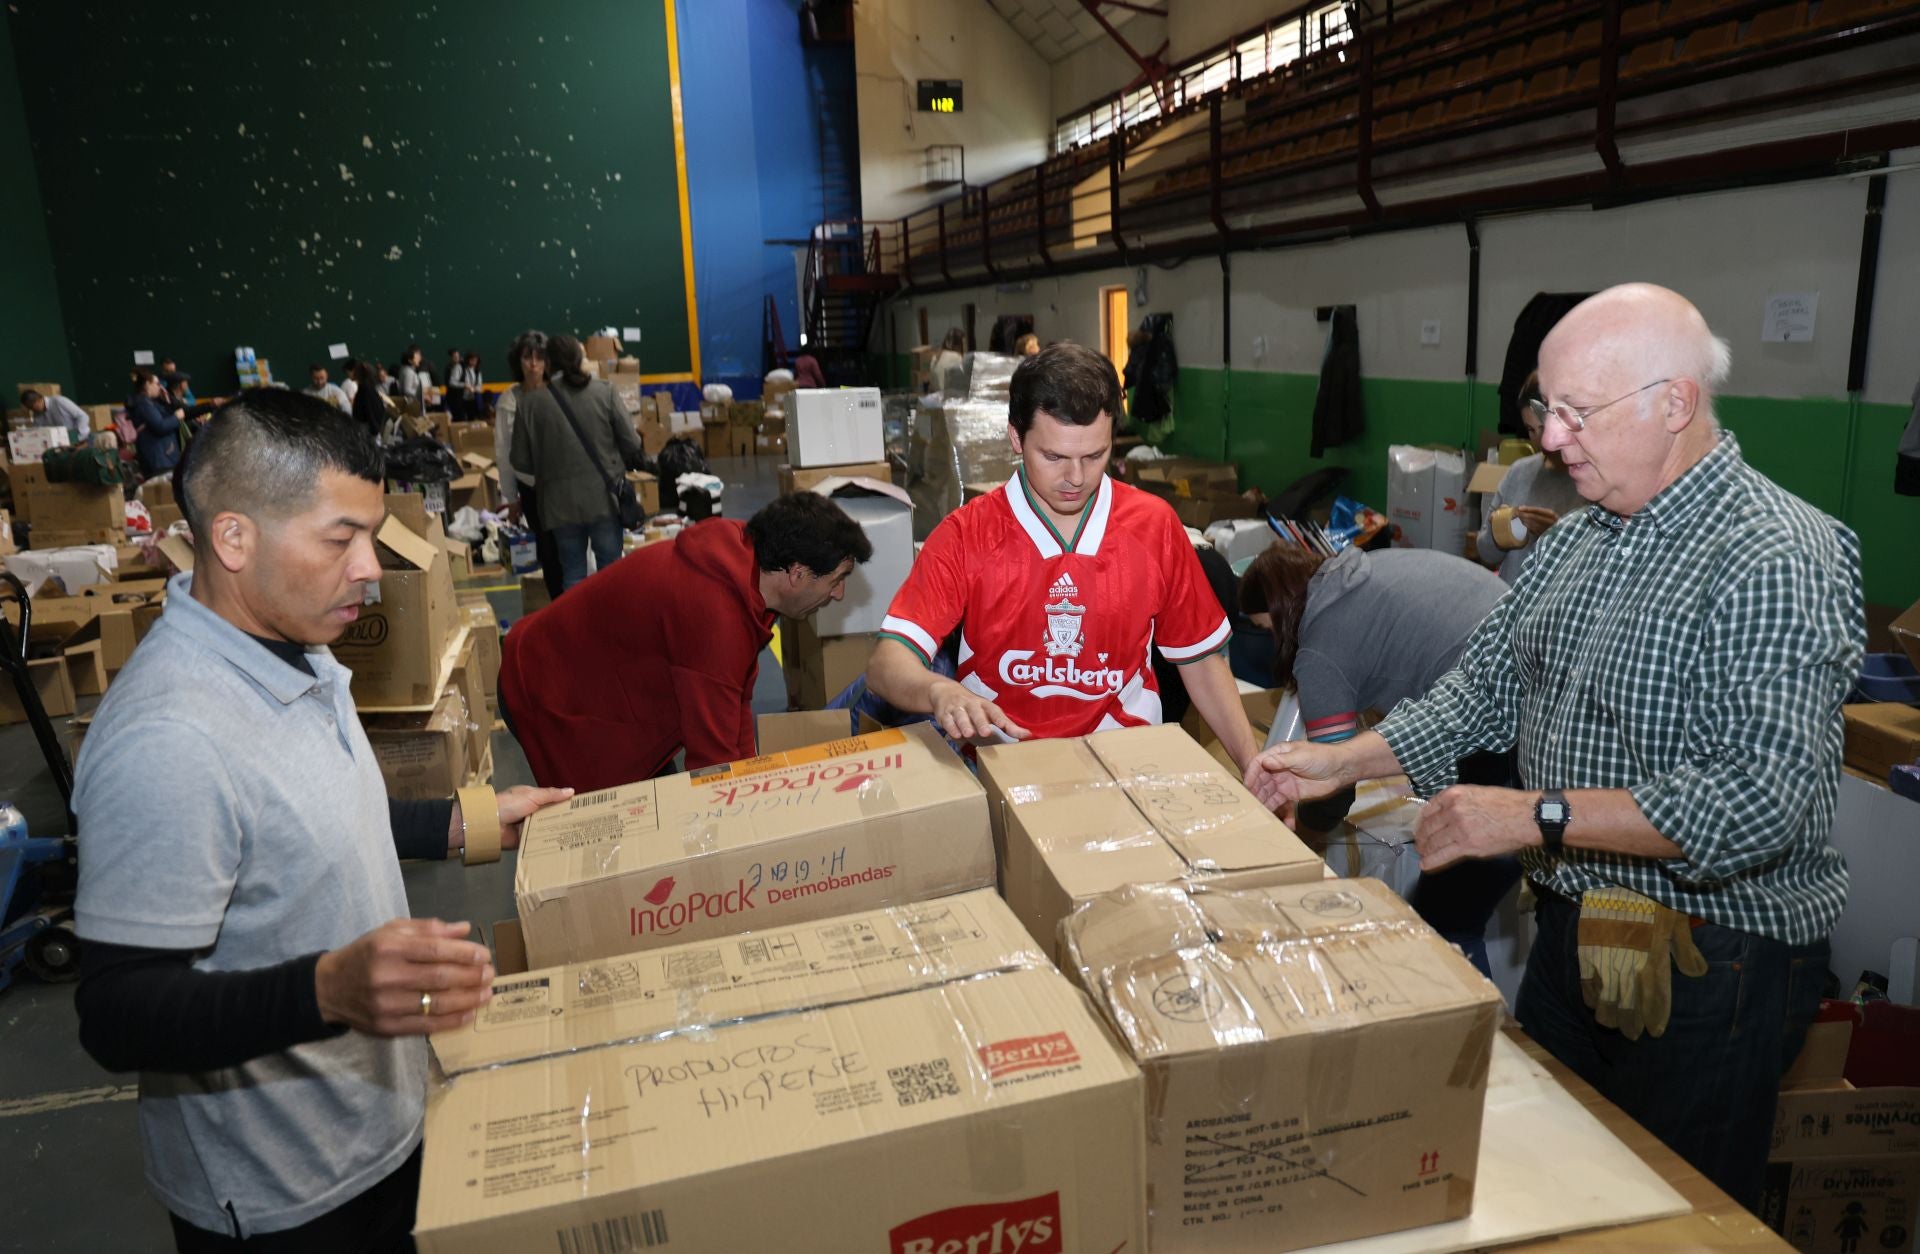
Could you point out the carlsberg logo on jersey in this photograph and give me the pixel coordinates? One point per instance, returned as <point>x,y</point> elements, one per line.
<point>1061,675</point>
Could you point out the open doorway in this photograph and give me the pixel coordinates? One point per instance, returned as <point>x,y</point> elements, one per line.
<point>1113,325</point>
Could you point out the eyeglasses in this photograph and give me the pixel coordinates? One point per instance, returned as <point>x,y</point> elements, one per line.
<point>1576,419</point>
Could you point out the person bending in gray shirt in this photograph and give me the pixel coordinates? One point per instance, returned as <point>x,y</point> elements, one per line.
<point>1365,631</point>
<point>248,946</point>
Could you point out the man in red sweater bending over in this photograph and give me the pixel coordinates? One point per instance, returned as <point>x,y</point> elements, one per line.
<point>659,651</point>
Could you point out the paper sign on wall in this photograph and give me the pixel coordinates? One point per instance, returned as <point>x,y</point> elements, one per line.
<point>632,335</point>
<point>143,357</point>
<point>337,351</point>
<point>1790,317</point>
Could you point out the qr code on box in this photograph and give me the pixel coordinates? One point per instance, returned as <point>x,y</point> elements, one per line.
<point>923,1082</point>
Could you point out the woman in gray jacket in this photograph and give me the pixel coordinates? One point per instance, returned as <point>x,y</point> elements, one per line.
<point>573,469</point>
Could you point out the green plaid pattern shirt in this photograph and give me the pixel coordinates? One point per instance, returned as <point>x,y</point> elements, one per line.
<point>1695,654</point>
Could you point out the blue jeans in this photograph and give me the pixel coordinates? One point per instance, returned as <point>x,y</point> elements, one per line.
<point>572,539</point>
<point>1707,1087</point>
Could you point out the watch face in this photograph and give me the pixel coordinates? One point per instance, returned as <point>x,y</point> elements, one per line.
<point>1553,812</point>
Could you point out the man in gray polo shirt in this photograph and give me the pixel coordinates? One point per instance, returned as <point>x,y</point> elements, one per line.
<point>249,951</point>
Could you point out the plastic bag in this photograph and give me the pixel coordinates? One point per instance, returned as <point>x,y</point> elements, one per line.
<point>421,459</point>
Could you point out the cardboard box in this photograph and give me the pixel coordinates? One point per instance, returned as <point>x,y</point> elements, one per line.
<point>423,757</point>
<point>1261,708</point>
<point>533,593</point>
<point>6,534</point>
<point>45,389</point>
<point>469,681</point>
<point>395,647</point>
<point>1187,476</point>
<point>653,434</point>
<point>472,437</point>
<point>1881,736</point>
<point>21,477</point>
<point>1905,631</point>
<point>885,514</point>
<point>31,443</point>
<point>96,511</point>
<point>835,427</point>
<point>86,668</point>
<point>55,618</point>
<point>777,398</point>
<point>164,516</point>
<point>800,729</point>
<point>601,348</point>
<point>50,680</point>
<point>1427,497</point>
<point>808,478</point>
<point>1843,1173</point>
<point>646,486</point>
<point>912,1099</point>
<point>1317,1057</point>
<point>100,417</point>
<point>158,492</point>
<point>817,668</point>
<point>483,627</point>
<point>1073,819</point>
<point>765,843</point>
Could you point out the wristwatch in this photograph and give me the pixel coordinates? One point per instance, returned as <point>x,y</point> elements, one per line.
<point>1553,814</point>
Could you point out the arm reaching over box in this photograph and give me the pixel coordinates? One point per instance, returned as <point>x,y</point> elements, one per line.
<point>901,679</point>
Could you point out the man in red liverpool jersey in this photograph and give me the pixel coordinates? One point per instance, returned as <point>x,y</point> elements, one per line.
<point>1061,583</point>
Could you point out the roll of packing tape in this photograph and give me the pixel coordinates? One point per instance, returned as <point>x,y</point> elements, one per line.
<point>480,812</point>
<point>1507,522</point>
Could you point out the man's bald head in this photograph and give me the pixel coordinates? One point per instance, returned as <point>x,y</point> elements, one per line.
<point>1641,365</point>
<point>1635,333</point>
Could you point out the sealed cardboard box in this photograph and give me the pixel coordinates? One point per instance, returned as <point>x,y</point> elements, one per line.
<point>422,756</point>
<point>1261,708</point>
<point>798,729</point>
<point>98,511</point>
<point>1880,736</point>
<point>1142,805</point>
<point>1843,1173</point>
<point>885,514</point>
<point>1317,1056</point>
<point>808,478</point>
<point>22,476</point>
<point>835,427</point>
<point>774,840</point>
<point>395,647</point>
<point>925,1100</point>
<point>818,668</point>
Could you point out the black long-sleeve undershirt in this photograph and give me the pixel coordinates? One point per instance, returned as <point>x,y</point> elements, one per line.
<point>151,1010</point>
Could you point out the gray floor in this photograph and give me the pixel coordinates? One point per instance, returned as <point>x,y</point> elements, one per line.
<point>69,1141</point>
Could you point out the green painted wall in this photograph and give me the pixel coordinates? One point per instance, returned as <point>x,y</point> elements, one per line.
<point>1263,423</point>
<point>292,176</point>
<point>33,345</point>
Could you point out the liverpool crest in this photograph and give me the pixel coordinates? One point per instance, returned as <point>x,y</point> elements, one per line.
<point>1063,619</point>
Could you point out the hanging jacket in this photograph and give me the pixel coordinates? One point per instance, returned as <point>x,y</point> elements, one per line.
<point>1339,411</point>
<point>1523,351</point>
<point>1152,371</point>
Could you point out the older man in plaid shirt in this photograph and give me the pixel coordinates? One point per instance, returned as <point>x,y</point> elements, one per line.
<point>1670,668</point>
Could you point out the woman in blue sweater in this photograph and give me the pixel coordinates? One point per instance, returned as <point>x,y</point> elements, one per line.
<point>156,427</point>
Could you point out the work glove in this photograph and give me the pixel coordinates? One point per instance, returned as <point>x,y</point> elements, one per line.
<point>1628,947</point>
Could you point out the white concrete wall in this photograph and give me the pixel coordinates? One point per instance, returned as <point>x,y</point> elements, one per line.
<point>1007,120</point>
<point>1725,251</point>
<point>1101,68</point>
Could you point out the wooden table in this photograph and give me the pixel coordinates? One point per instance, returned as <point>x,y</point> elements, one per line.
<point>1717,1222</point>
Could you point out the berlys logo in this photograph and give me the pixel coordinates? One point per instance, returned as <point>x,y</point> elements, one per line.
<point>1026,1226</point>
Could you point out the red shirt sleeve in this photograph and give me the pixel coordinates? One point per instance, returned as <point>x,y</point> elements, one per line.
<point>1189,623</point>
<point>933,601</point>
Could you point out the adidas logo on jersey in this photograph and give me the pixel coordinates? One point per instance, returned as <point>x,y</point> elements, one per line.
<point>1063,587</point>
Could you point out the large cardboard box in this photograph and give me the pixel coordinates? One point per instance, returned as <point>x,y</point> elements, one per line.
<point>903,1082</point>
<point>21,477</point>
<point>1843,1172</point>
<point>395,647</point>
<point>1143,805</point>
<point>97,511</point>
<point>472,437</point>
<point>1317,1057</point>
<point>1261,707</point>
<point>799,729</point>
<point>810,477</point>
<point>818,668</point>
<point>885,514</point>
<point>835,427</point>
<point>422,756</point>
<point>771,841</point>
<point>1881,736</point>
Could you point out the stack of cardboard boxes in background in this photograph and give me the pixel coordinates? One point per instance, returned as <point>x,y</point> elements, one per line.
<point>1201,492</point>
<point>836,434</point>
<point>425,663</point>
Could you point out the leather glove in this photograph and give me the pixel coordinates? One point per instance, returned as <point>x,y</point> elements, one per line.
<point>1628,947</point>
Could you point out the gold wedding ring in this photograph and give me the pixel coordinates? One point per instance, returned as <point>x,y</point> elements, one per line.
<point>426,1004</point>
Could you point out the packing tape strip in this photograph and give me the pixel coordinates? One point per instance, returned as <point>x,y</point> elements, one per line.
<point>480,813</point>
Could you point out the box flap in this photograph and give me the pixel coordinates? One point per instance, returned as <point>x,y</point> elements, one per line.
<point>398,539</point>
<point>1185,969</point>
<point>1486,477</point>
<point>621,831</point>
<point>476,461</point>
<point>699,986</point>
<point>827,487</point>
<point>179,552</point>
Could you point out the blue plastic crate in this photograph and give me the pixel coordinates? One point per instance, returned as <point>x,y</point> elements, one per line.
<point>1888,677</point>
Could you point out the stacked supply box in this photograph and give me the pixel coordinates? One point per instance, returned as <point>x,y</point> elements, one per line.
<point>1317,1056</point>
<point>397,648</point>
<point>835,427</point>
<point>1142,805</point>
<point>868,821</point>
<point>907,1080</point>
